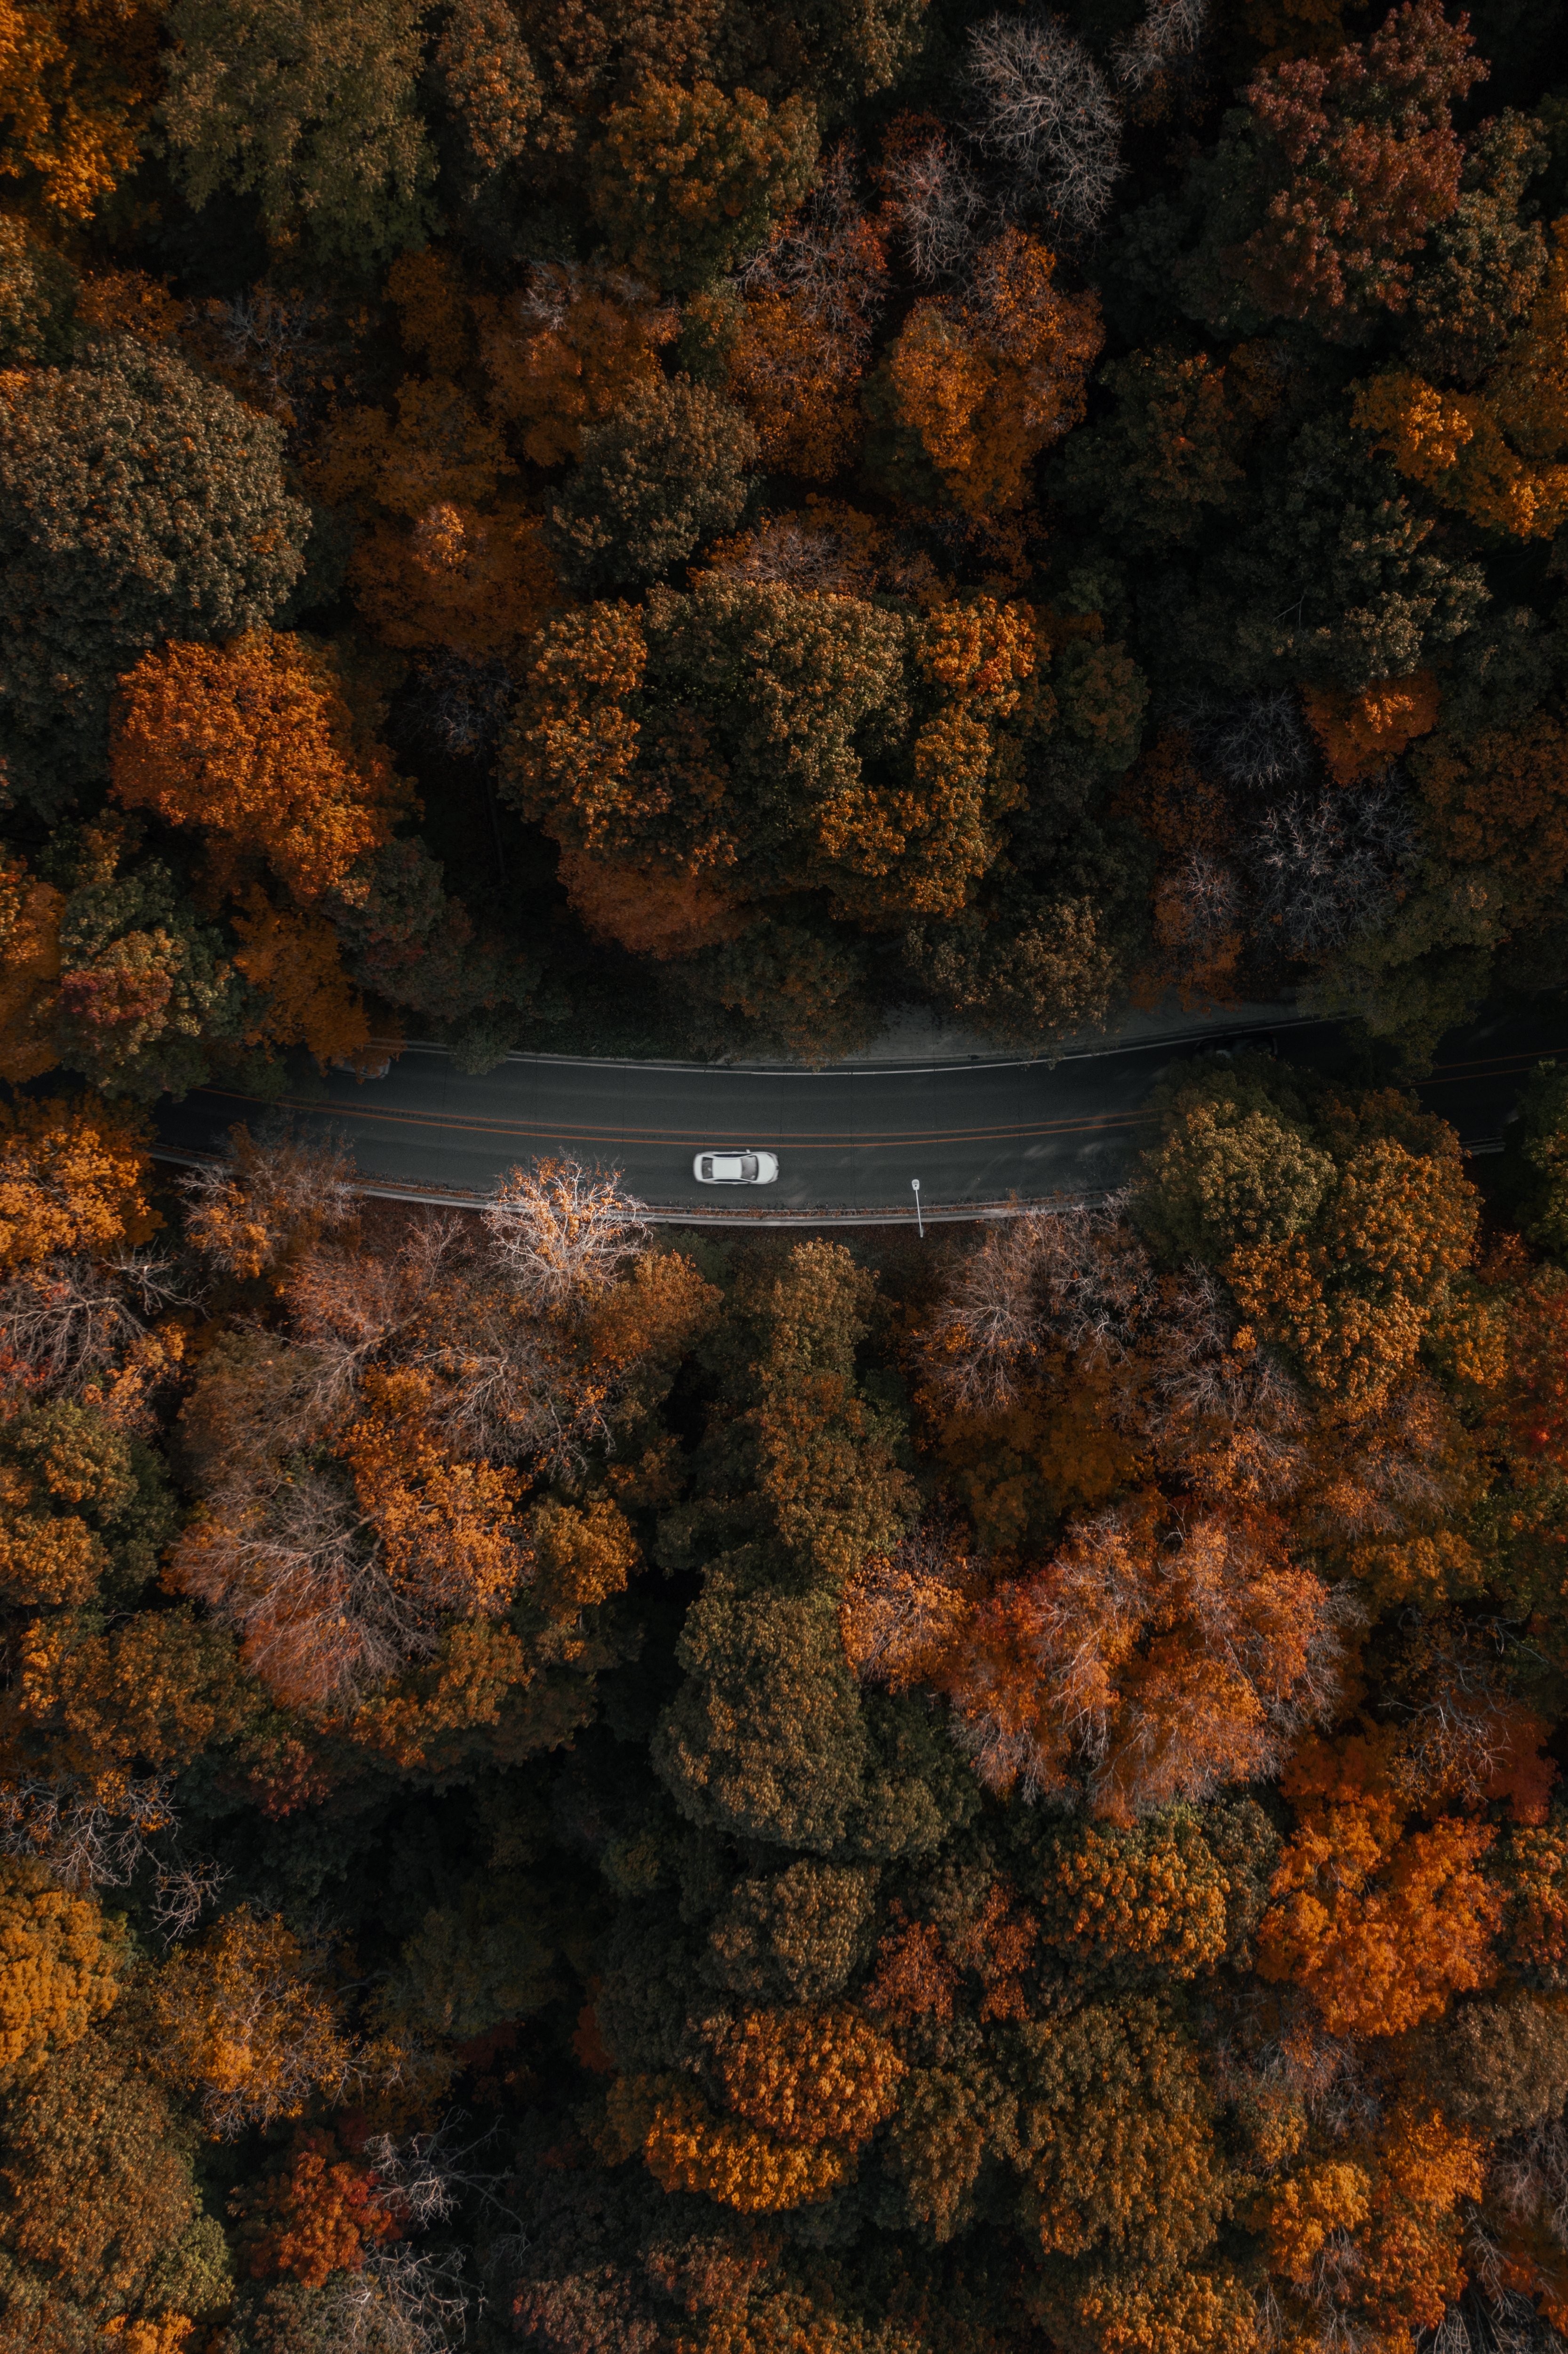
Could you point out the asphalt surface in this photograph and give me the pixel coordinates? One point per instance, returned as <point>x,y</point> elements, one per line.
<point>976,1133</point>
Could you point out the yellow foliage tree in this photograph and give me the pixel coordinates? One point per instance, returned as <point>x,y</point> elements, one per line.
<point>243,2025</point>
<point>60,1968</point>
<point>73,1177</point>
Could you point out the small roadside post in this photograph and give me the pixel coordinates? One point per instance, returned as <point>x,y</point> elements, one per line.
<point>919,1221</point>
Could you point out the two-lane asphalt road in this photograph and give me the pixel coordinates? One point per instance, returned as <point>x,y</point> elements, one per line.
<point>974,1133</point>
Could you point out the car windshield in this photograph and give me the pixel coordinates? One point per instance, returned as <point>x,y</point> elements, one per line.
<point>745,1166</point>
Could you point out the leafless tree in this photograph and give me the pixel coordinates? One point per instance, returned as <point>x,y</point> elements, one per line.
<point>559,1231</point>
<point>464,704</point>
<point>424,2179</point>
<point>295,351</point>
<point>1079,1278</point>
<point>1330,866</point>
<point>1199,903</point>
<point>827,257</point>
<point>181,1892</point>
<point>402,2301</point>
<point>66,1320</point>
<point>1046,113</point>
<point>939,204</point>
<point>78,1839</point>
<point>1165,38</point>
<point>292,1564</point>
<point>264,1195</point>
<point>1260,745</point>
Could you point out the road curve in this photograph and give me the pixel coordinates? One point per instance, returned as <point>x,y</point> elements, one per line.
<point>849,1142</point>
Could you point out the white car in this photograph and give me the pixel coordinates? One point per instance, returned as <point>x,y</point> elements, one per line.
<point>736,1168</point>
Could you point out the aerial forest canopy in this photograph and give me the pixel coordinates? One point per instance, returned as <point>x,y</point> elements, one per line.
<point>584,1786</point>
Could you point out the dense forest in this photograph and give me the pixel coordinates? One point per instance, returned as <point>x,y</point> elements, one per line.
<point>729,1799</point>
<point>579,1786</point>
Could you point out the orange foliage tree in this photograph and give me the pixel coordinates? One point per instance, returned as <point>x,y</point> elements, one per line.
<point>1371,162</point>
<point>1499,454</point>
<point>974,388</point>
<point>560,353</point>
<point>74,1176</point>
<point>1362,733</point>
<point>1154,1659</point>
<point>76,82</point>
<point>318,2215</point>
<point>243,2022</point>
<point>452,557</point>
<point>254,744</point>
<point>1381,1924</point>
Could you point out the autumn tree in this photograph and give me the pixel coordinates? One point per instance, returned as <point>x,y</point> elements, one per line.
<point>74,1177</point>
<point>976,387</point>
<point>1482,267</point>
<point>631,741</point>
<point>1500,453</point>
<point>317,2215</point>
<point>1129,1672</point>
<point>80,1505</point>
<point>798,1935</point>
<point>312,115</point>
<point>1360,161</point>
<point>1155,471</point>
<point>1047,974</point>
<point>140,499</point>
<point>1362,735</point>
<point>1341,1237</point>
<point>102,2202</point>
<point>145,989</point>
<point>76,89</point>
<point>60,1968</point>
<point>37,298</point>
<point>492,84</point>
<point>266,1203</point>
<point>685,183</point>
<point>243,2022</point>
<point>254,743</point>
<point>29,943</point>
<point>663,474</point>
<point>394,1588</point>
<point>453,557</point>
<point>1381,596</point>
<point>795,351</point>
<point>566,349</point>
<point>822,50</point>
<point>1381,1925</point>
<point>767,1736</point>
